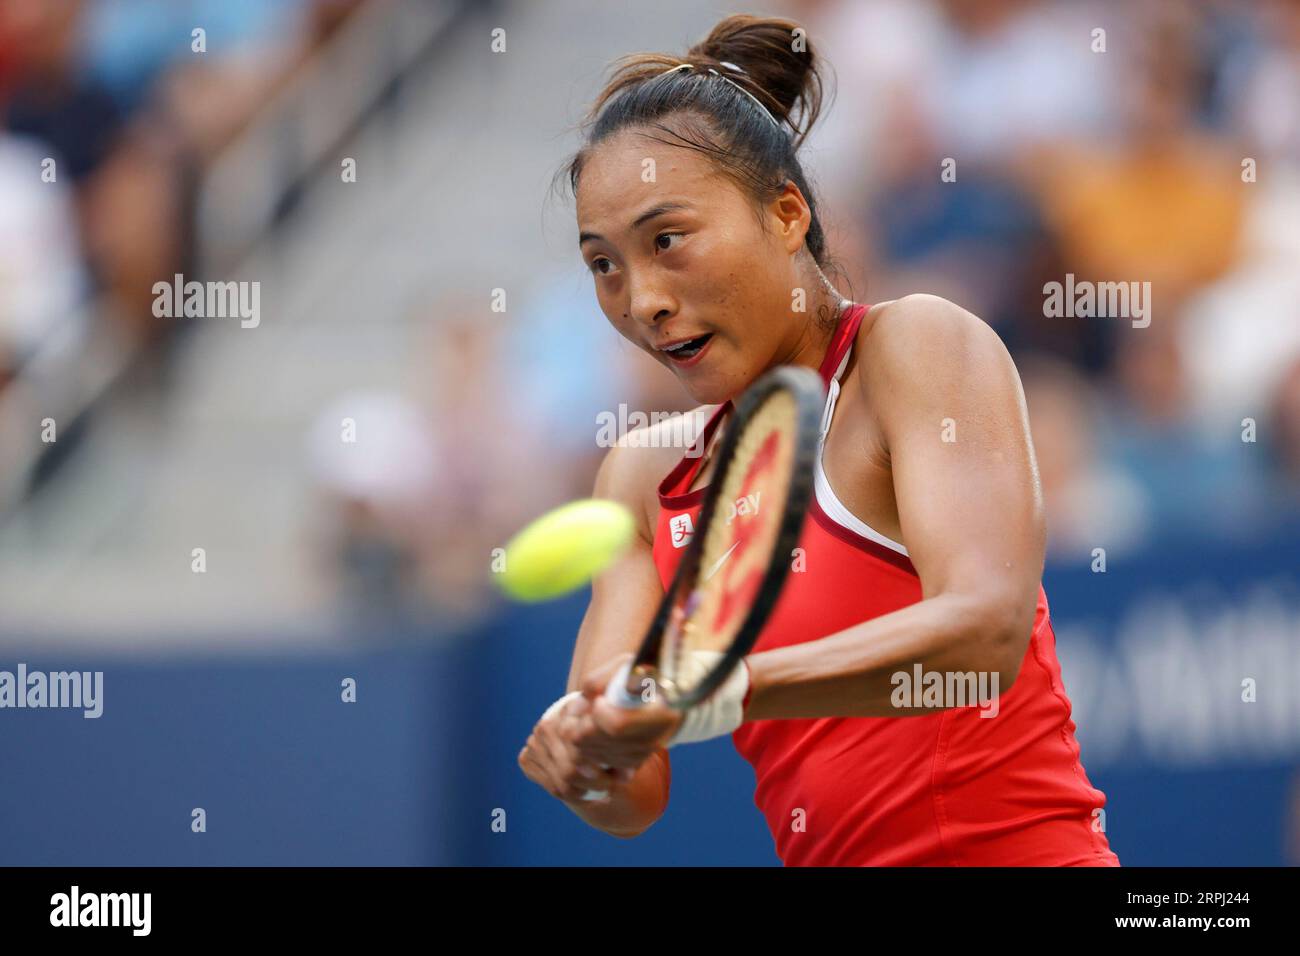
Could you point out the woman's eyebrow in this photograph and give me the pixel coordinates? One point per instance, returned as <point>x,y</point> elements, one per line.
<point>651,213</point>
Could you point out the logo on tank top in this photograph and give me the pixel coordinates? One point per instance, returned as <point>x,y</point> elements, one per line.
<point>745,505</point>
<point>680,528</point>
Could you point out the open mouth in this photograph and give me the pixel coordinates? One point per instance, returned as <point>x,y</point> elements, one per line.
<point>689,349</point>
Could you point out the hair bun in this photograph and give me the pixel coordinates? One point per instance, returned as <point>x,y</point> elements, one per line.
<point>773,59</point>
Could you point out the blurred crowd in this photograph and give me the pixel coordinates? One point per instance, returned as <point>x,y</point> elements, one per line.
<point>111,112</point>
<point>1155,142</point>
<point>109,106</point>
<point>1112,142</point>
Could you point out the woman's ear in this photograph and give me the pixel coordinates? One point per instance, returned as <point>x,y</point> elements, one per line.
<point>792,213</point>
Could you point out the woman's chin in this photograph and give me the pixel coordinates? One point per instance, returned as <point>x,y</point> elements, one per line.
<point>708,380</point>
<point>706,392</point>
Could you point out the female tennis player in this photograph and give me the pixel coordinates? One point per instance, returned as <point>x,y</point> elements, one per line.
<point>923,548</point>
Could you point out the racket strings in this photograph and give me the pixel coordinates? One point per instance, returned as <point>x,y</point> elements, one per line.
<point>738,541</point>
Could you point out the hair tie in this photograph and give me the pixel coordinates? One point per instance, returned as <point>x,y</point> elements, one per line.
<point>731,66</point>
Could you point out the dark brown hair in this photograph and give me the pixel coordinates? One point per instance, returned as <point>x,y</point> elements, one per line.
<point>777,66</point>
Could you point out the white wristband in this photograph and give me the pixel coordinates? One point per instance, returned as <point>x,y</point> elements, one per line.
<point>719,715</point>
<point>559,704</point>
<point>723,711</point>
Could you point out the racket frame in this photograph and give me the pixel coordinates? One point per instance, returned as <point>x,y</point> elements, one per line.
<point>808,392</point>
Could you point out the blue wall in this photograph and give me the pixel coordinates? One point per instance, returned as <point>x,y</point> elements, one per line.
<point>285,771</point>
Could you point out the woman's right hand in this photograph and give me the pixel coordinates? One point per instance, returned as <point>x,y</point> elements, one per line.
<point>552,761</point>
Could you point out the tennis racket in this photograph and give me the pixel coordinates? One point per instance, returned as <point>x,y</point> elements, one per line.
<point>735,564</point>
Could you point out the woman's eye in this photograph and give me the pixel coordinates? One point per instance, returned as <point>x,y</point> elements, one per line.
<point>659,240</point>
<point>600,266</point>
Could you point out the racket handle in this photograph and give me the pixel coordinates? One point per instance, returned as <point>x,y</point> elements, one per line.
<point>616,693</point>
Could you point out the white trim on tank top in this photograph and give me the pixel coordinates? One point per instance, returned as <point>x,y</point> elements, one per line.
<point>826,497</point>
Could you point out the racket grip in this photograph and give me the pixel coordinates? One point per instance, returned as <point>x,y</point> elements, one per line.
<point>616,693</point>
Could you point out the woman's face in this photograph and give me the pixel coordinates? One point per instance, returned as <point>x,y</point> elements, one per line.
<point>677,254</point>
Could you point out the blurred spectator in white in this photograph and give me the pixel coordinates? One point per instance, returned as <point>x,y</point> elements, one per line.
<point>879,52</point>
<point>375,463</point>
<point>1243,331</point>
<point>977,80</point>
<point>1018,73</point>
<point>41,276</point>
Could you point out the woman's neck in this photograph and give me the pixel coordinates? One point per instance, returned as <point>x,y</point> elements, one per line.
<point>816,332</point>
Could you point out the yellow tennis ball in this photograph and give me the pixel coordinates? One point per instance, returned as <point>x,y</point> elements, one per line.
<point>565,548</point>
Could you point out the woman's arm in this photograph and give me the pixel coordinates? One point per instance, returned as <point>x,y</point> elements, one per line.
<point>949,407</point>
<point>626,595</point>
<point>623,602</point>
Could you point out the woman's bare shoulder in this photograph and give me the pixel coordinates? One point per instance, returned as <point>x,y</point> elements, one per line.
<point>636,464</point>
<point>925,331</point>
<point>920,314</point>
<point>922,348</point>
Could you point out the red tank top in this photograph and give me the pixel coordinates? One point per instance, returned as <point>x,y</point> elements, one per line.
<point>948,789</point>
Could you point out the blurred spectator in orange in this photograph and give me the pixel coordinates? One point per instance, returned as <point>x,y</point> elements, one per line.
<point>1163,204</point>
